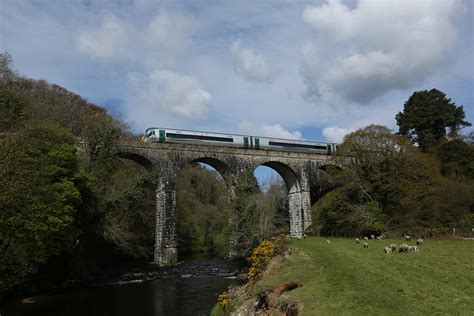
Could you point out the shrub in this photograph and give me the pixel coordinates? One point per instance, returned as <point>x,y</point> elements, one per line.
<point>260,258</point>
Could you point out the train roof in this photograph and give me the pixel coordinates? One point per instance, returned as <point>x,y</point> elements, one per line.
<point>230,134</point>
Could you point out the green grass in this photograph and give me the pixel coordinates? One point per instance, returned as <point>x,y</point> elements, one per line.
<point>345,279</point>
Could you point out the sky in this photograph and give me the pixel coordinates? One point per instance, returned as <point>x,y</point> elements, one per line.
<point>292,69</point>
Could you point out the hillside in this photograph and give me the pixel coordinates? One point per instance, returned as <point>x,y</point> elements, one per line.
<point>343,278</point>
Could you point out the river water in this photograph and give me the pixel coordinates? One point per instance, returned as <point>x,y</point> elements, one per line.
<point>181,293</point>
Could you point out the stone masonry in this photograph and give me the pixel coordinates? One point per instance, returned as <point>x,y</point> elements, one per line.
<point>165,160</point>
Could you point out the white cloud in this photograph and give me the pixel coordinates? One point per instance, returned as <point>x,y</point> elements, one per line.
<point>362,53</point>
<point>269,130</point>
<point>323,18</point>
<point>334,134</point>
<point>147,52</point>
<point>164,90</point>
<point>108,41</point>
<point>253,66</point>
<point>157,43</point>
<point>165,38</point>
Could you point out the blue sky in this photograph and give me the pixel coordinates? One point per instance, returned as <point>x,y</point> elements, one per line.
<point>293,69</point>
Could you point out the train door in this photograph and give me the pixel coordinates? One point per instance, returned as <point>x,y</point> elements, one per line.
<point>246,142</point>
<point>257,143</point>
<point>162,137</point>
<point>329,149</point>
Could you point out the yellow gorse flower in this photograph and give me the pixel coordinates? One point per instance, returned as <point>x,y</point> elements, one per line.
<point>259,259</point>
<point>223,300</point>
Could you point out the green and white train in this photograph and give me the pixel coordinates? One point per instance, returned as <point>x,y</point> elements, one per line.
<point>167,135</point>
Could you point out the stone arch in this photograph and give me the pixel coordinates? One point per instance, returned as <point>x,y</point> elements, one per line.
<point>221,167</point>
<point>287,173</point>
<point>298,210</point>
<point>142,160</point>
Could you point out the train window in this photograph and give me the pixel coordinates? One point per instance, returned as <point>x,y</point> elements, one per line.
<point>293,145</point>
<point>200,137</point>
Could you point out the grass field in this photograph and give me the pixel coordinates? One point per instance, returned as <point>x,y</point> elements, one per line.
<point>343,278</point>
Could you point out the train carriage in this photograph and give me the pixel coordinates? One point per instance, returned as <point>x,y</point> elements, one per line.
<point>162,135</point>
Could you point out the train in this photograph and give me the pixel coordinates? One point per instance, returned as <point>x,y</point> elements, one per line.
<point>167,135</point>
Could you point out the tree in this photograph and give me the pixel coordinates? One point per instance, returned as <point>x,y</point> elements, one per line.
<point>202,213</point>
<point>426,116</point>
<point>257,215</point>
<point>12,100</point>
<point>457,159</point>
<point>385,182</point>
<point>128,210</point>
<point>39,201</point>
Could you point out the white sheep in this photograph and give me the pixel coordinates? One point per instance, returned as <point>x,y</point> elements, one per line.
<point>372,237</point>
<point>407,238</point>
<point>403,248</point>
<point>412,249</point>
<point>393,247</point>
<point>328,241</point>
<point>366,238</point>
<point>357,240</point>
<point>366,245</point>
<point>387,250</point>
<point>419,242</point>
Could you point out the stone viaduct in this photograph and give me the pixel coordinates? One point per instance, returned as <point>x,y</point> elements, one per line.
<point>165,160</point>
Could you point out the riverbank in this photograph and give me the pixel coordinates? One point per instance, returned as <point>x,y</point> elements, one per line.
<point>341,278</point>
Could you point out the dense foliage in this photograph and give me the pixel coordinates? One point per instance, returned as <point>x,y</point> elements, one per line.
<point>385,183</point>
<point>62,190</point>
<point>41,193</point>
<point>202,206</point>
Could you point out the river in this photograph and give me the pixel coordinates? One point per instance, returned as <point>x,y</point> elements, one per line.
<point>188,290</point>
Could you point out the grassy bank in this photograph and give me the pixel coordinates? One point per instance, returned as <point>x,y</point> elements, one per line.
<point>343,278</point>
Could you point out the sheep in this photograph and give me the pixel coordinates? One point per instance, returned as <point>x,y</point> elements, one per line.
<point>379,238</point>
<point>393,247</point>
<point>357,240</point>
<point>387,250</point>
<point>407,238</point>
<point>403,248</point>
<point>366,238</point>
<point>366,245</point>
<point>372,237</point>
<point>328,241</point>
<point>412,249</point>
<point>419,242</point>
